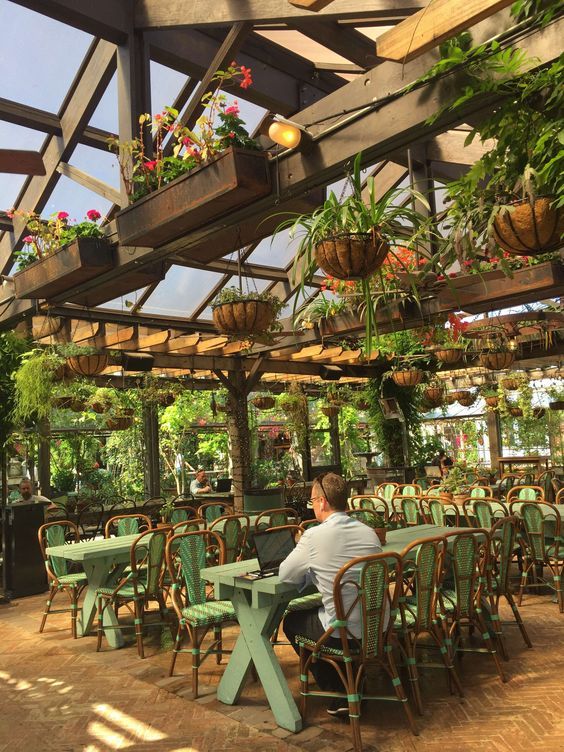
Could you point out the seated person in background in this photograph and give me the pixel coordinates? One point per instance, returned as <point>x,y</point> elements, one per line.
<point>27,495</point>
<point>200,484</point>
<point>443,461</point>
<point>316,559</point>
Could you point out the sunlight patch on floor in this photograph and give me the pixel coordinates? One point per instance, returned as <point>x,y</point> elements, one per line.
<point>139,729</point>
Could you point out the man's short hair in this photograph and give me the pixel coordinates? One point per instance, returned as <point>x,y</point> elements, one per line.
<point>334,488</point>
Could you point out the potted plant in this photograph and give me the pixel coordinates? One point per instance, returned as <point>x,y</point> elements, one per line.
<point>404,373</point>
<point>263,401</point>
<point>247,315</point>
<point>35,385</point>
<point>102,400</point>
<point>58,255</point>
<point>293,404</point>
<point>166,511</point>
<point>490,395</point>
<point>455,485</point>
<point>84,361</point>
<point>446,343</point>
<point>497,357</point>
<point>465,398</point>
<point>434,393</point>
<point>213,168</point>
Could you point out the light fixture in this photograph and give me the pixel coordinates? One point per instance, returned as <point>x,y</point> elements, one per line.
<point>512,345</point>
<point>331,373</point>
<point>287,133</point>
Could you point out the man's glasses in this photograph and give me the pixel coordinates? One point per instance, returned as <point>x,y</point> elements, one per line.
<point>323,495</point>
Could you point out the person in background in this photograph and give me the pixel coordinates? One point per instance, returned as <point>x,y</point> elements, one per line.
<point>27,495</point>
<point>200,484</point>
<point>318,556</point>
<point>444,462</point>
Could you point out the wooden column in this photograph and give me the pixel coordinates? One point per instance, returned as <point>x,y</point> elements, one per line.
<point>44,458</point>
<point>335,441</point>
<point>239,438</point>
<point>151,441</point>
<point>494,437</point>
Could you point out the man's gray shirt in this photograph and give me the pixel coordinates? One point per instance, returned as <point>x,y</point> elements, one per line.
<point>321,552</point>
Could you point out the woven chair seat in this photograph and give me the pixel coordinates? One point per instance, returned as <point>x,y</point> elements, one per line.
<point>72,579</point>
<point>326,649</point>
<point>209,613</point>
<point>127,591</point>
<point>304,603</point>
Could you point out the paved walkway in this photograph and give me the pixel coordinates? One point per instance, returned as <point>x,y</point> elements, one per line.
<point>59,694</point>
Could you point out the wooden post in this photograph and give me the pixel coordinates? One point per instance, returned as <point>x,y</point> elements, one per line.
<point>335,442</point>
<point>238,428</point>
<point>494,437</point>
<point>151,440</point>
<point>44,458</point>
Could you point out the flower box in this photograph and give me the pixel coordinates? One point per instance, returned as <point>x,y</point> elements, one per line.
<point>230,180</point>
<point>73,264</point>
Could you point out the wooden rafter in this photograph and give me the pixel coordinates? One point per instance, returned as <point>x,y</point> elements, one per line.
<point>312,5</point>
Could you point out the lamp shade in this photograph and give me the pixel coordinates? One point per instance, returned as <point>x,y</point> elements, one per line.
<point>285,134</point>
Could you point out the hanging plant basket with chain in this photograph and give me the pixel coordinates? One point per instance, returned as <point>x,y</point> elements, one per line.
<point>491,401</point>
<point>351,256</point>
<point>245,315</point>
<point>434,395</point>
<point>87,365</point>
<point>119,423</point>
<point>263,403</point>
<point>449,355</point>
<point>408,377</point>
<point>528,228</point>
<point>497,361</point>
<point>465,398</point>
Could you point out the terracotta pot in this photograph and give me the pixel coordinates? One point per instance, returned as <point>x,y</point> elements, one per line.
<point>458,498</point>
<point>449,355</point>
<point>409,377</point>
<point>496,361</point>
<point>516,412</point>
<point>249,316</point>
<point>351,256</point>
<point>119,423</point>
<point>466,398</point>
<point>491,401</point>
<point>330,410</point>
<point>264,403</point>
<point>527,229</point>
<point>87,365</point>
<point>381,533</point>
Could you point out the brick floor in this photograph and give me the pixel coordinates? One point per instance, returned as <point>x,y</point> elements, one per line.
<point>59,694</point>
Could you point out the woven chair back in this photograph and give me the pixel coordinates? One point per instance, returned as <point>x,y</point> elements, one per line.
<point>479,492</point>
<point>487,511</point>
<point>147,558</point>
<point>57,533</point>
<point>410,510</point>
<point>540,527</point>
<point>90,520</point>
<point>127,524</point>
<point>386,490</point>
<point>422,576</point>
<point>214,509</point>
<point>181,514</point>
<point>274,518</point>
<point>232,529</point>
<point>503,536</point>
<point>408,489</point>
<point>370,502</point>
<point>186,555</point>
<point>525,493</point>
<point>443,513</point>
<point>469,556</point>
<point>189,526</point>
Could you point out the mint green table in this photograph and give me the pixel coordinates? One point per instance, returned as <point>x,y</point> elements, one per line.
<point>260,605</point>
<point>103,561</point>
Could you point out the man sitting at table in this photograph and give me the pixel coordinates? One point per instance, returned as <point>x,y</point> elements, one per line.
<point>200,484</point>
<point>26,493</point>
<point>319,555</point>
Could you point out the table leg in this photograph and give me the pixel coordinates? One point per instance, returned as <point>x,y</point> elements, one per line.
<point>254,646</point>
<point>100,573</point>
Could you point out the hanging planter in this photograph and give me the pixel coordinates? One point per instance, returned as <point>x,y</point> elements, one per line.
<point>497,361</point>
<point>465,398</point>
<point>330,410</point>
<point>510,384</point>
<point>450,399</point>
<point>351,256</point>
<point>491,401</point>
<point>119,423</point>
<point>78,406</point>
<point>434,395</point>
<point>229,180</point>
<point>363,405</point>
<point>528,228</point>
<point>516,412</point>
<point>62,403</point>
<point>556,405</point>
<point>263,403</point>
<point>539,412</point>
<point>408,377</point>
<point>87,365</point>
<point>449,355</point>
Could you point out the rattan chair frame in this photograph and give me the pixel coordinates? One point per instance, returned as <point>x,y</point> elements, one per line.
<point>213,544</point>
<point>376,646</point>
<point>262,523</point>
<point>188,509</point>
<point>497,510</point>
<point>95,510</point>
<point>514,493</point>
<point>382,490</point>
<point>408,511</point>
<point>559,499</point>
<point>485,488</point>
<point>114,521</point>
<point>225,510</point>
<point>234,549</point>
<point>145,577</point>
<point>56,584</point>
<point>180,527</point>
<point>369,501</point>
<point>438,510</point>
<point>401,487</point>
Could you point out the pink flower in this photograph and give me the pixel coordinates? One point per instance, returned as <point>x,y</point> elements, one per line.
<point>440,277</point>
<point>233,110</point>
<point>62,215</point>
<point>151,165</point>
<point>494,260</point>
<point>93,215</point>
<point>187,141</point>
<point>247,79</point>
<point>451,275</point>
<point>28,239</point>
<point>468,263</point>
<point>231,134</point>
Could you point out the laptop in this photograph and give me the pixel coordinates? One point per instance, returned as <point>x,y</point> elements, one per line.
<point>433,471</point>
<point>223,485</point>
<point>272,548</point>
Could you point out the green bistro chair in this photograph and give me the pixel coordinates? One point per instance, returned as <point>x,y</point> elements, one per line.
<point>445,514</point>
<point>58,533</point>
<point>305,524</point>
<point>545,481</point>
<point>369,502</point>
<point>469,558</point>
<point>211,510</point>
<point>408,489</point>
<point>418,616</point>
<point>480,492</point>
<point>141,585</point>
<point>386,491</point>
<point>189,526</point>
<point>408,510</point>
<point>127,524</point>
<point>186,555</point>
<point>507,482</point>
<point>525,493</point>
<point>274,518</point>
<point>368,516</point>
<point>233,530</point>
<point>182,513</point>
<point>542,544</point>
<point>364,583</point>
<point>483,512</point>
<point>503,538</point>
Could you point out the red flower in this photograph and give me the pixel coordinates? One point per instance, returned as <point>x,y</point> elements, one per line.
<point>28,239</point>
<point>231,134</point>
<point>452,275</point>
<point>440,277</point>
<point>494,260</point>
<point>247,79</point>
<point>93,215</point>
<point>187,141</point>
<point>468,263</point>
<point>323,288</point>
<point>62,215</point>
<point>151,165</point>
<point>233,110</point>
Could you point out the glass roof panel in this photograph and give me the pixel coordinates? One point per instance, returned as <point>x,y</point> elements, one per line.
<point>38,57</point>
<point>75,199</point>
<point>181,291</point>
<point>106,113</point>
<point>276,252</point>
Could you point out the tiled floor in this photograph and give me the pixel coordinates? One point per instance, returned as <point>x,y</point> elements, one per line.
<point>59,694</point>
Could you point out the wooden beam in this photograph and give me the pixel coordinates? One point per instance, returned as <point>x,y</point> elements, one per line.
<point>348,43</point>
<point>449,147</point>
<point>90,182</point>
<point>213,343</point>
<point>21,162</point>
<point>81,332</point>
<point>104,18</point>
<point>312,5</point>
<point>158,338</point>
<point>441,20</point>
<point>155,14</point>
<point>79,105</point>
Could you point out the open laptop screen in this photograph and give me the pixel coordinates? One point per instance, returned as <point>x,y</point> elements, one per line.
<point>272,548</point>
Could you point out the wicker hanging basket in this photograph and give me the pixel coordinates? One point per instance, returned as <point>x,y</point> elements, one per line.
<point>62,403</point>
<point>100,407</point>
<point>264,403</point>
<point>527,229</point>
<point>78,406</point>
<point>510,384</point>
<point>539,412</point>
<point>250,316</point>
<point>87,365</point>
<point>363,405</point>
<point>120,423</point>
<point>449,355</point>
<point>330,410</point>
<point>465,398</point>
<point>434,395</point>
<point>354,256</point>
<point>516,412</point>
<point>491,401</point>
<point>409,377</point>
<point>497,361</point>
